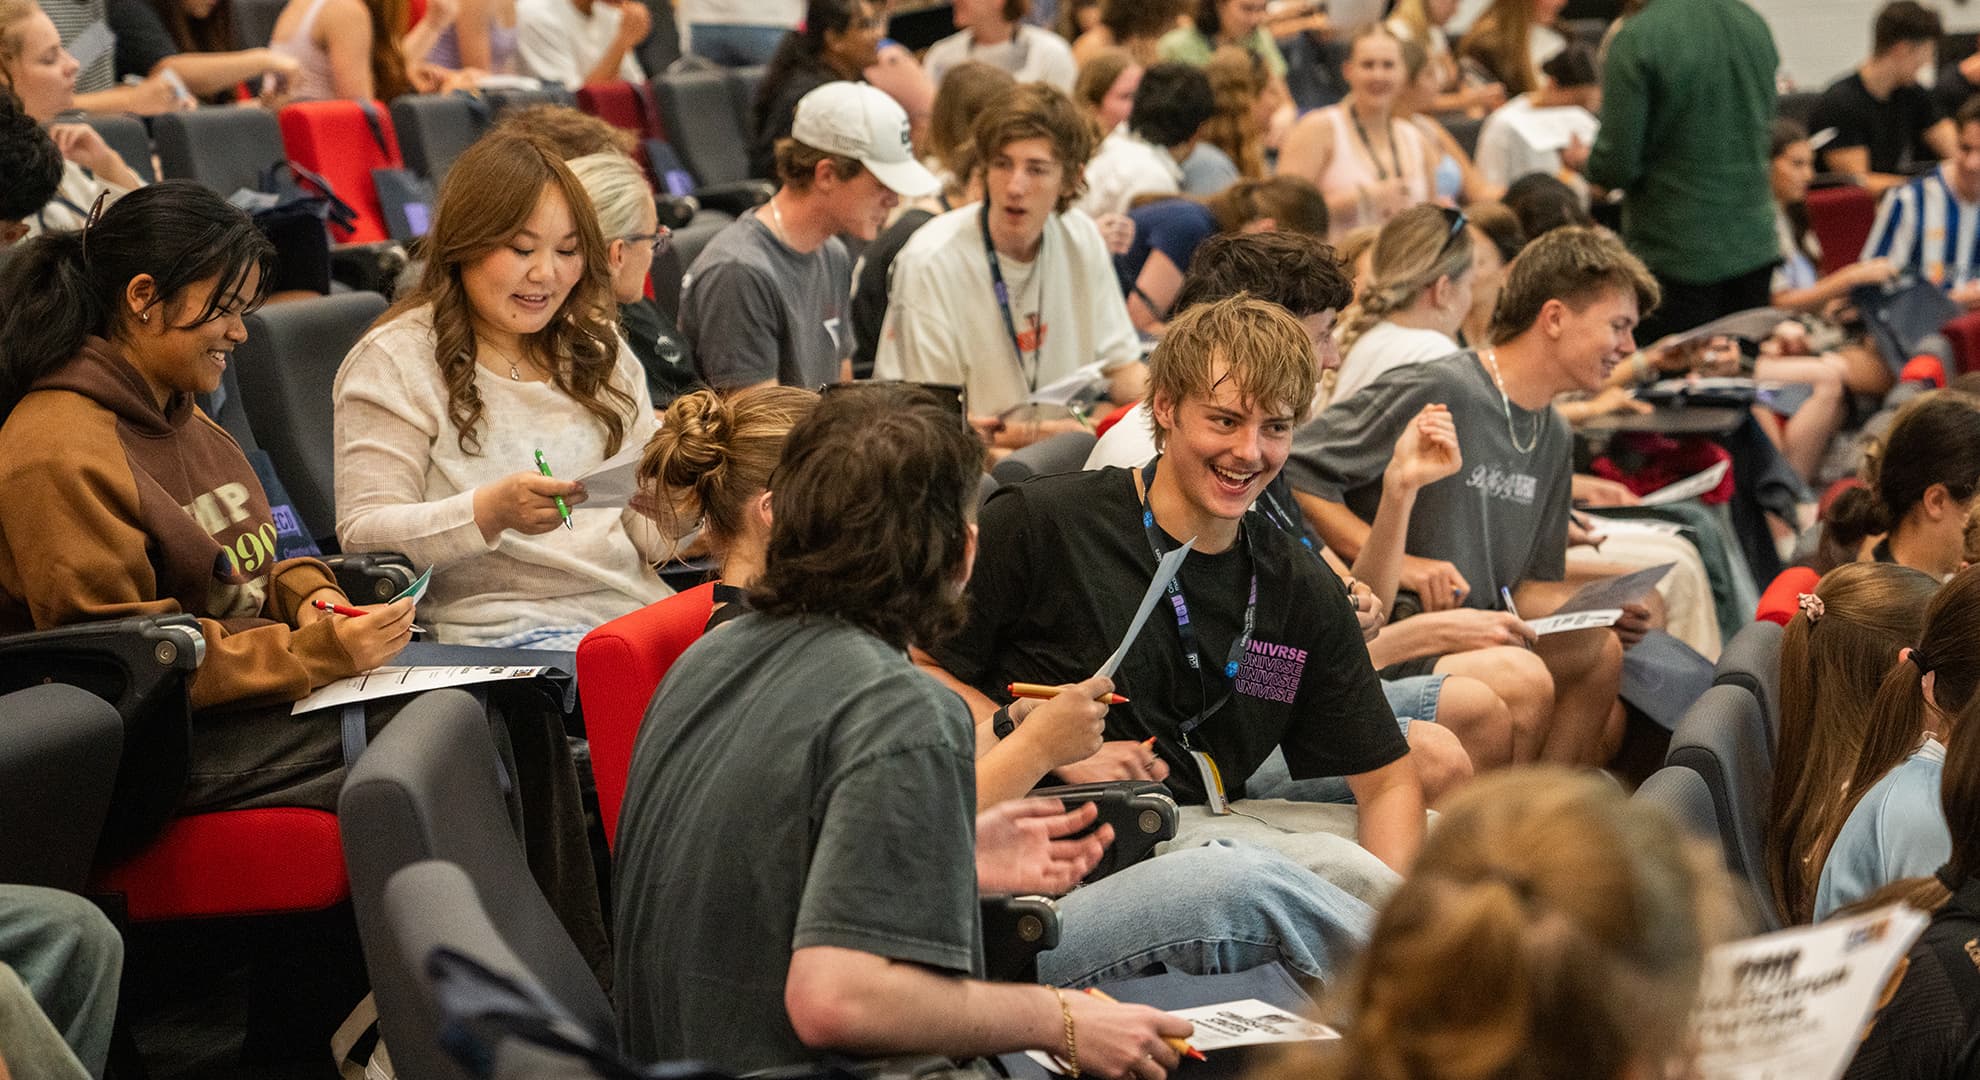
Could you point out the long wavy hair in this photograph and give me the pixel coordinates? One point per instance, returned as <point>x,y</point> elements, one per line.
<point>487,197</point>
<point>1831,669</point>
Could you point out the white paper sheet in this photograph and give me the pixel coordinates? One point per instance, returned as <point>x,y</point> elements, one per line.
<point>1794,1003</point>
<point>1688,488</point>
<point>1063,392</point>
<point>388,682</point>
<point>613,481</point>
<point>1551,129</point>
<point>1165,571</point>
<point>1579,620</point>
<point>1622,526</point>
<point>1249,1022</point>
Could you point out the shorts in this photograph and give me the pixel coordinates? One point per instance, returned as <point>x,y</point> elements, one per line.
<point>1410,699</point>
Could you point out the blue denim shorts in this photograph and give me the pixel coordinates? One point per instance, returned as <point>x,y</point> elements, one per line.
<point>1414,698</point>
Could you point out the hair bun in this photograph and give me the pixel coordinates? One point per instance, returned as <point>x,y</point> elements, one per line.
<point>698,427</point>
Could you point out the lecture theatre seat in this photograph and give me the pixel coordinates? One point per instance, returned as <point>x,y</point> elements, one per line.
<point>1842,218</point>
<point>342,141</point>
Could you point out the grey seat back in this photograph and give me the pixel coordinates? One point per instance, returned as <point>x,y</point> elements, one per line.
<point>225,149</point>
<point>286,368</point>
<point>254,21</point>
<point>700,116</point>
<point>59,749</point>
<point>1722,738</point>
<point>433,129</point>
<point>428,788</point>
<point>1752,661</point>
<point>1062,453</point>
<point>501,102</point>
<point>1681,793</point>
<point>127,136</point>
<point>743,82</point>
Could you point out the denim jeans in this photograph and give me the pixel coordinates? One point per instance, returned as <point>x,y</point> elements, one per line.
<point>70,959</point>
<point>1207,910</point>
<point>732,45</point>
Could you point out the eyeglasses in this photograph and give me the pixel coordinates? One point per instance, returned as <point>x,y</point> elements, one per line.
<point>661,240</point>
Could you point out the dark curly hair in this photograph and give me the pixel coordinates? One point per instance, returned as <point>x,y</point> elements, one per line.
<point>870,514</point>
<point>30,165</point>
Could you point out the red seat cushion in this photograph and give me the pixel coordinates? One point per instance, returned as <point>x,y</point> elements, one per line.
<point>1107,422</point>
<point>1964,333</point>
<point>619,665</point>
<point>1782,600</point>
<point>234,862</point>
<point>1841,218</point>
<point>335,140</point>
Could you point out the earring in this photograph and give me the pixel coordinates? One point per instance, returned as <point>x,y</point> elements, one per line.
<point>146,317</point>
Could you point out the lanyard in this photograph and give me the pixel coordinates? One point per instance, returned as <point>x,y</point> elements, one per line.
<point>1003,293</point>
<point>1191,652</point>
<point>1395,152</point>
<point>1278,515</point>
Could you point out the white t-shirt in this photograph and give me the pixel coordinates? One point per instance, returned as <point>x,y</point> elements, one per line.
<point>1128,166</point>
<point>558,43</point>
<point>404,484</point>
<point>779,13</point>
<point>1384,349</point>
<point>1032,55</point>
<point>944,324</point>
<point>1507,149</point>
<point>1129,444</point>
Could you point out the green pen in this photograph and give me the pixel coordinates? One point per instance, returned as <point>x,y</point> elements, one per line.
<point>543,467</point>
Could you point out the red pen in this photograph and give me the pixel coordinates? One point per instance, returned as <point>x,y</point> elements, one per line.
<point>348,612</point>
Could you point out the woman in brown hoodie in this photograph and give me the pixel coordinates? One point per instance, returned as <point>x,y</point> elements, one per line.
<point>124,499</point>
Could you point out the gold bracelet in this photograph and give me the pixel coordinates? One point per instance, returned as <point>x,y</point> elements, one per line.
<point>1072,1044</point>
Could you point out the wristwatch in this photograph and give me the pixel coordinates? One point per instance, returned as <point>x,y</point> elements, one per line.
<point>1001,723</point>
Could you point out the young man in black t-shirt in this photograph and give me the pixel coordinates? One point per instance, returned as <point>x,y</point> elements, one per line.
<point>1256,648</point>
<point>1885,124</point>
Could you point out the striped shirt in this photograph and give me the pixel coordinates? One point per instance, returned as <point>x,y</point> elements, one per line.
<point>1928,232</point>
<point>71,18</point>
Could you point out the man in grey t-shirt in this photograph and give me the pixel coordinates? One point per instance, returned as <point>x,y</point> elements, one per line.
<point>1564,320</point>
<point>768,300</point>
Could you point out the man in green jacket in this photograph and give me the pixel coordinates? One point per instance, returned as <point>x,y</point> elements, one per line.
<point>1687,98</point>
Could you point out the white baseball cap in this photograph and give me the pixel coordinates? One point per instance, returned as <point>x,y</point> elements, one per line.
<point>859,121</point>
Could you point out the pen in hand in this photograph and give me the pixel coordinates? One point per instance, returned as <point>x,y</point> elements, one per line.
<point>1180,1046</point>
<point>351,612</point>
<point>543,467</point>
<point>1041,692</point>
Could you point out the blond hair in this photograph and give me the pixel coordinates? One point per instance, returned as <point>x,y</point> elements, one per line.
<point>714,453</point>
<point>1266,353</point>
<point>1550,928</point>
<point>12,14</point>
<point>618,191</point>
<point>1415,250</point>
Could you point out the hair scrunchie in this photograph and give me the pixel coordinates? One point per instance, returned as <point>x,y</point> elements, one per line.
<point>1811,606</point>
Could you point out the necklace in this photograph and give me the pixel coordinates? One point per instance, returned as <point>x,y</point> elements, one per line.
<point>777,219</point>
<point>1492,358</point>
<point>1395,152</point>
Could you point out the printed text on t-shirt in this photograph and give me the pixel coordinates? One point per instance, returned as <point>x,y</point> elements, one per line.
<point>1271,672</point>
<point>1501,483</point>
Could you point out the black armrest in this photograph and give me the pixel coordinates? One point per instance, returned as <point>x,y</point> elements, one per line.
<point>1015,930</point>
<point>737,197</point>
<point>1142,812</point>
<point>370,267</point>
<point>683,574</point>
<point>373,577</point>
<point>139,665</point>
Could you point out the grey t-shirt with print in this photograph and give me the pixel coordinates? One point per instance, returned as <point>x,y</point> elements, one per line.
<point>1501,520</point>
<point>753,310</point>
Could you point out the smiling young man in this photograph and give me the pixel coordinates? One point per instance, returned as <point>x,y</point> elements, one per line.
<point>1014,293</point>
<point>1257,649</point>
<point>1564,320</point>
<point>767,301</point>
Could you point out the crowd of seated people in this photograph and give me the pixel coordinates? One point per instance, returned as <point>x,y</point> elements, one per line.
<point>1358,360</point>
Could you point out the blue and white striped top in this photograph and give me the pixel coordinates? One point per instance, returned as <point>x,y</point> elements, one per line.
<point>1928,231</point>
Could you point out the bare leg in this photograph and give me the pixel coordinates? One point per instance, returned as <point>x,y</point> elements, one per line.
<point>1587,670</point>
<point>1809,430</point>
<point>1442,766</point>
<point>1520,682</point>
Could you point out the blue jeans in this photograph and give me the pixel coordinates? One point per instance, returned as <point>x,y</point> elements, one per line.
<point>731,45</point>
<point>70,958</point>
<point>1414,698</point>
<point>1221,907</point>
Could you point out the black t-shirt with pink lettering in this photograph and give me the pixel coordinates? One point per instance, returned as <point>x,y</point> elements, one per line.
<point>1062,563</point>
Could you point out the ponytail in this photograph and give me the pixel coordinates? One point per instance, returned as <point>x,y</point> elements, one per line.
<point>713,454</point>
<point>51,308</point>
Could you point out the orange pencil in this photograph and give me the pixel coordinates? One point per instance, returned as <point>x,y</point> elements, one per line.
<point>1148,743</point>
<point>1180,1046</point>
<point>1045,693</point>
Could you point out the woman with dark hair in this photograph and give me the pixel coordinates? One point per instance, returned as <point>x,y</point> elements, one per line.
<point>127,500</point>
<point>994,32</point>
<point>38,71</point>
<point>1134,25</point>
<point>1918,491</point>
<point>1893,828</point>
<point>839,40</point>
<point>30,169</point>
<point>194,40</point>
<point>362,50</point>
<point>502,362</point>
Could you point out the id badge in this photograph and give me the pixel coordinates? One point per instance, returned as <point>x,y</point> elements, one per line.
<point>1213,783</point>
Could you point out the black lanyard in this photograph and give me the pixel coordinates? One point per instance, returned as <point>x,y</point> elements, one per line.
<point>1395,152</point>
<point>1003,293</point>
<point>1191,652</point>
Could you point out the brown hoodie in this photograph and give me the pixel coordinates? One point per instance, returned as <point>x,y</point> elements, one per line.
<point>110,508</point>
